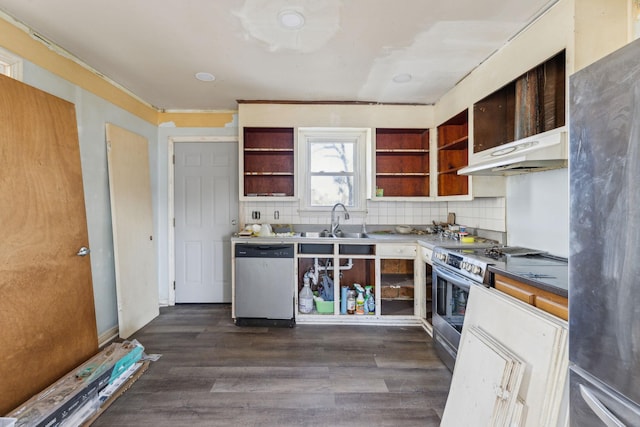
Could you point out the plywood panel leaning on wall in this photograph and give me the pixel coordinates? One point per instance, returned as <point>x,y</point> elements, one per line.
<point>132,223</point>
<point>47,312</point>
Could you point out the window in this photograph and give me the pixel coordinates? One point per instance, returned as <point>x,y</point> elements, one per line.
<point>10,64</point>
<point>334,163</point>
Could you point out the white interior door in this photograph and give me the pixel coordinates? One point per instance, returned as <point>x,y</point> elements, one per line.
<point>206,211</point>
<point>132,220</point>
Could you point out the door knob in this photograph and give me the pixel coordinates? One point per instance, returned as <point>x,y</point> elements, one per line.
<point>84,251</point>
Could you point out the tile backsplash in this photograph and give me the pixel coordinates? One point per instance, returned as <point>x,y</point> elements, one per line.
<point>484,213</point>
<point>488,213</point>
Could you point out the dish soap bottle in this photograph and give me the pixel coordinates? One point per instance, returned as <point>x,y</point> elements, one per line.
<point>360,304</point>
<point>305,298</point>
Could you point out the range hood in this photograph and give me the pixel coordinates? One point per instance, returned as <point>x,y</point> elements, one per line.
<point>544,151</point>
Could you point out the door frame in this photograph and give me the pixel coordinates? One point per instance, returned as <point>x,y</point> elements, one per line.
<point>171,242</point>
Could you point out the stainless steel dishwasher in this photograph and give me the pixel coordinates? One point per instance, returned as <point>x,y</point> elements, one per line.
<point>264,285</point>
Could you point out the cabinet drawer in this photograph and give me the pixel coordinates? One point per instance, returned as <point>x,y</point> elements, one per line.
<point>553,307</point>
<point>386,250</point>
<point>515,291</point>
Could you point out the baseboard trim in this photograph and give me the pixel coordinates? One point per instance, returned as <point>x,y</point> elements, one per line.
<point>107,336</point>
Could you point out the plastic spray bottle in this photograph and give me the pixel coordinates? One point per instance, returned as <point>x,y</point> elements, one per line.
<point>305,298</point>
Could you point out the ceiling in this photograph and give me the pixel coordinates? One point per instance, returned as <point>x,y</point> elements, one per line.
<point>347,50</point>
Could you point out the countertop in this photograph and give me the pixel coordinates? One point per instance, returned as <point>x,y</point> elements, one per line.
<point>547,273</point>
<point>426,240</point>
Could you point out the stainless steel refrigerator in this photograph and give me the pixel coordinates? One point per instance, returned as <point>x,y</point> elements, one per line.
<point>604,260</point>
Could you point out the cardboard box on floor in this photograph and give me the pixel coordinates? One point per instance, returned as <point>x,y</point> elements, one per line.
<point>73,391</point>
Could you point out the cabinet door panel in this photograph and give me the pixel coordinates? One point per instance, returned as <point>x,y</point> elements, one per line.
<point>485,383</point>
<point>540,340</point>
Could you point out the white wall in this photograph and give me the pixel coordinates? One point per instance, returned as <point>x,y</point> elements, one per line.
<point>538,211</point>
<point>92,113</point>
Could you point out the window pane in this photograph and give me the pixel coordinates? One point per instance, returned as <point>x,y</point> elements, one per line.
<point>331,157</point>
<point>329,190</point>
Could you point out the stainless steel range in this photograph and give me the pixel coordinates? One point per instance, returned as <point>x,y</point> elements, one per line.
<point>455,270</point>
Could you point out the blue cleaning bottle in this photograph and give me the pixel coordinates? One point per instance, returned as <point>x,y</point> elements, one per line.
<point>370,302</point>
<point>343,299</point>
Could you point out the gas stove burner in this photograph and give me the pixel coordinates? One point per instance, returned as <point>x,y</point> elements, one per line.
<point>494,252</point>
<point>498,252</point>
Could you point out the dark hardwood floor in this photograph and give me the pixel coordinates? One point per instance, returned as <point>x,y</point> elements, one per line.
<point>213,373</point>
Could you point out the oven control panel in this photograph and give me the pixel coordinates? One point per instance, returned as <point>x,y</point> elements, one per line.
<point>465,265</point>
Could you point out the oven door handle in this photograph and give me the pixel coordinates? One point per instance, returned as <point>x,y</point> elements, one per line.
<point>454,278</point>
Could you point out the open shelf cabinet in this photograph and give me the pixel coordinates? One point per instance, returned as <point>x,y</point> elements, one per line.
<point>402,162</point>
<point>339,270</point>
<point>453,155</point>
<point>268,162</point>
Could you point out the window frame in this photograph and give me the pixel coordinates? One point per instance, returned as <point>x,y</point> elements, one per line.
<point>360,137</point>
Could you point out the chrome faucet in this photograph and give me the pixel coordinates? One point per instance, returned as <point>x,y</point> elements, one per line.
<point>335,219</point>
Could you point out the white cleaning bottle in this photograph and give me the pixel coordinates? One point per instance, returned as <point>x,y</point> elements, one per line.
<point>305,298</point>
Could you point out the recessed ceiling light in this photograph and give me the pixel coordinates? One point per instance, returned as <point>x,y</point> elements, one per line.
<point>205,77</point>
<point>402,78</point>
<point>291,19</point>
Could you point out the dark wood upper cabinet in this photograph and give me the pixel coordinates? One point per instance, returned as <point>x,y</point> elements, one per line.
<point>531,104</point>
<point>494,118</point>
<point>269,163</point>
<point>453,155</point>
<point>402,162</point>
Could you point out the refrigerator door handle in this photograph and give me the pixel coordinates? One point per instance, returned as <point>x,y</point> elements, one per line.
<point>599,409</point>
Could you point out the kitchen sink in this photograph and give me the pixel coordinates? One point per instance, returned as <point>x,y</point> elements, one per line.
<point>315,234</point>
<point>339,234</point>
<point>352,235</point>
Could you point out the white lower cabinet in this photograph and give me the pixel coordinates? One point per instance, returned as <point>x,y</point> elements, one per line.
<point>399,295</point>
<point>385,275</point>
